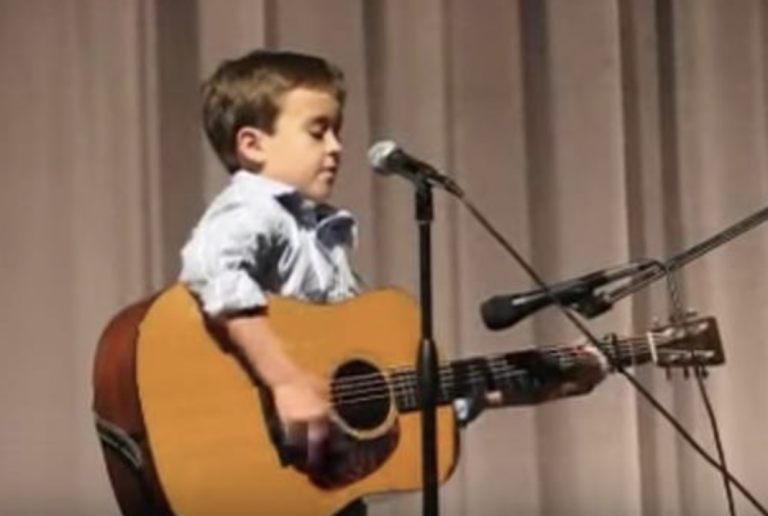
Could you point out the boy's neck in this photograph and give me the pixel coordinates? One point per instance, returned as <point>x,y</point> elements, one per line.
<point>283,188</point>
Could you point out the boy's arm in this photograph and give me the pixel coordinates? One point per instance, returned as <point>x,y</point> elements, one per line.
<point>222,262</point>
<point>301,398</point>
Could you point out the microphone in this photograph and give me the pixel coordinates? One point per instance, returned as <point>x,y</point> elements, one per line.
<point>387,158</point>
<point>500,312</point>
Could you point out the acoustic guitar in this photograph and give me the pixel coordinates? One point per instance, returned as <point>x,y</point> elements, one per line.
<point>186,430</point>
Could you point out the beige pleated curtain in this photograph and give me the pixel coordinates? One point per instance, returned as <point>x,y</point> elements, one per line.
<point>591,132</point>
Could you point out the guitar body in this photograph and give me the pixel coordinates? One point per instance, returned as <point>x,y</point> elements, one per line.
<point>187,431</point>
<point>207,422</point>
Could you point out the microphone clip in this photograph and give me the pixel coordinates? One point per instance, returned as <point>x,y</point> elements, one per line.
<point>592,304</point>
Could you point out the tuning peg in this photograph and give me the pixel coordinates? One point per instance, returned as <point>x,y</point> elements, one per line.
<point>686,315</point>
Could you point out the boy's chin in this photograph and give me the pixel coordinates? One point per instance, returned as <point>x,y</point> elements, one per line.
<point>318,197</point>
<point>318,192</point>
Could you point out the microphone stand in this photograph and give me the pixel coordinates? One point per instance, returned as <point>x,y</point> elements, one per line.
<point>683,258</point>
<point>427,364</point>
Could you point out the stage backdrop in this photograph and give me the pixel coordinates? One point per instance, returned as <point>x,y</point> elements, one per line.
<point>591,132</point>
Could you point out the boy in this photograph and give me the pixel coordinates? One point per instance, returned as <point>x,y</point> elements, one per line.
<point>274,120</point>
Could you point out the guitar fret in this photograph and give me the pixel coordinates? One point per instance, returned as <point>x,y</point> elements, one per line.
<point>462,372</point>
<point>404,395</point>
<point>447,382</point>
<point>501,370</point>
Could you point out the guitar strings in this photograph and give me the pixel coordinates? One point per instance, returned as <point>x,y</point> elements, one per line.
<point>404,386</point>
<point>406,379</point>
<point>354,383</point>
<point>408,389</point>
<point>561,354</point>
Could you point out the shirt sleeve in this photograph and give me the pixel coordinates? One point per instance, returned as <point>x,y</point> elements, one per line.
<point>226,256</point>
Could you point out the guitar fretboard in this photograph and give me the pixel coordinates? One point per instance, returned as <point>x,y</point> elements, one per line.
<point>521,375</point>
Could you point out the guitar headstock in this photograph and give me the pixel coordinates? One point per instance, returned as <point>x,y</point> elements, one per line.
<point>694,341</point>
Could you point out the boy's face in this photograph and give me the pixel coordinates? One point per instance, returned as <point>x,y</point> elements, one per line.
<point>304,149</point>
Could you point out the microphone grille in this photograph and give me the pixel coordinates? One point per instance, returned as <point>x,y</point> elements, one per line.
<point>379,153</point>
<point>495,313</point>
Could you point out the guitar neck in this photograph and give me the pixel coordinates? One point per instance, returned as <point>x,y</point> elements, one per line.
<point>522,373</point>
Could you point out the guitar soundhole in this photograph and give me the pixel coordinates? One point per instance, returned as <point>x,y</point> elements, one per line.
<point>361,395</point>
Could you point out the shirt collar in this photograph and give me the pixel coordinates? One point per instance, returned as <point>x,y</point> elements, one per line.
<point>323,216</point>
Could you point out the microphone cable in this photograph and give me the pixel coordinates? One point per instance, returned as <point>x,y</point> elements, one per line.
<point>387,158</point>
<point>699,372</point>
<point>539,281</point>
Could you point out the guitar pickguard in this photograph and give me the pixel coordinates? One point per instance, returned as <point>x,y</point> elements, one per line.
<point>348,459</point>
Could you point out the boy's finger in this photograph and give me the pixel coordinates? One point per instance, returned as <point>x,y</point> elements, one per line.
<point>317,434</point>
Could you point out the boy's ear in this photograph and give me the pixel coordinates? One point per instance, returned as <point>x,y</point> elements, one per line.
<point>249,142</point>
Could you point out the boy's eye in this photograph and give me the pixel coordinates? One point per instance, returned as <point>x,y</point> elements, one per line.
<point>321,126</point>
<point>317,131</point>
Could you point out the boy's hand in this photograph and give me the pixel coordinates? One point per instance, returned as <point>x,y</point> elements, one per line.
<point>303,407</point>
<point>591,368</point>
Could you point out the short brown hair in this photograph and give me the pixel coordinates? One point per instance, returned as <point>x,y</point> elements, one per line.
<point>247,91</point>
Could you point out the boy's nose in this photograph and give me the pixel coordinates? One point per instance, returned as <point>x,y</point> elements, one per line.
<point>333,142</point>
